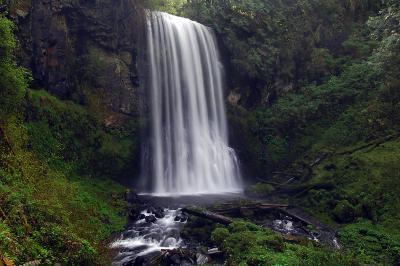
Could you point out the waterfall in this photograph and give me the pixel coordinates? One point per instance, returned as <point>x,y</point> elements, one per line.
<point>188,148</point>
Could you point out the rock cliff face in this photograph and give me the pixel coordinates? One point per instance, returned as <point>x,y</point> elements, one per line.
<point>76,46</point>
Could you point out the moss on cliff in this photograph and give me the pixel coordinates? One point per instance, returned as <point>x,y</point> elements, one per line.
<point>58,201</point>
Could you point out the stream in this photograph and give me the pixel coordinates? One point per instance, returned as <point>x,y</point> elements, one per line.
<point>161,220</point>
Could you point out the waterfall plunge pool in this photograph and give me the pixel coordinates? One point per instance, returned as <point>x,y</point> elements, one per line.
<point>144,239</point>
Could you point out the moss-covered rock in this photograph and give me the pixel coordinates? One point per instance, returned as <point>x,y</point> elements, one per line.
<point>344,212</point>
<point>198,230</point>
<point>248,244</point>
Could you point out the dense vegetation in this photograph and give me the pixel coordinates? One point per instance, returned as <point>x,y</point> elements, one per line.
<point>317,97</point>
<point>248,244</point>
<point>317,84</point>
<point>318,81</point>
<point>58,202</point>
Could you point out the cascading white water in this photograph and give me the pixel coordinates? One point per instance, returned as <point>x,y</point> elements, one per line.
<point>189,150</point>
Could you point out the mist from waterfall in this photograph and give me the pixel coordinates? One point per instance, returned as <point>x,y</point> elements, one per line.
<point>188,148</point>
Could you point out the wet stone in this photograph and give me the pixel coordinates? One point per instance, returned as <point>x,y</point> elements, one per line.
<point>169,242</point>
<point>150,219</point>
<point>183,218</point>
<point>130,234</point>
<point>151,209</point>
<point>176,259</point>
<point>173,233</point>
<point>159,214</point>
<point>139,261</point>
<point>202,259</point>
<point>154,236</point>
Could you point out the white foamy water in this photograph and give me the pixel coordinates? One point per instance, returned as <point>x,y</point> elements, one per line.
<point>144,238</point>
<point>188,151</point>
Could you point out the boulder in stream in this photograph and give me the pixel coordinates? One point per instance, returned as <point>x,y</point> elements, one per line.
<point>175,259</point>
<point>151,209</point>
<point>159,214</point>
<point>202,259</point>
<point>183,218</point>
<point>150,219</point>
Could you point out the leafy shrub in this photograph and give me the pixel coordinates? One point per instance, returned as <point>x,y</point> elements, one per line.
<point>371,243</point>
<point>247,244</point>
<point>13,79</point>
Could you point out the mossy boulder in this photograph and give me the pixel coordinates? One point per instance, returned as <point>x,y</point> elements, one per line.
<point>198,230</point>
<point>344,212</point>
<point>244,243</point>
<point>218,235</point>
<point>242,227</point>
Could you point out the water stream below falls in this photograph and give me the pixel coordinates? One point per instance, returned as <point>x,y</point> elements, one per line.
<point>159,226</point>
<point>145,239</point>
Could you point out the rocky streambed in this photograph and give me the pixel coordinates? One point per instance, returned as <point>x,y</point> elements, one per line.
<point>154,234</point>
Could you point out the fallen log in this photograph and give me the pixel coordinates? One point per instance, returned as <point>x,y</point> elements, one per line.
<point>214,251</point>
<point>273,205</point>
<point>318,160</point>
<point>268,182</point>
<point>298,174</point>
<point>276,183</point>
<point>295,216</point>
<point>240,210</point>
<point>301,188</point>
<point>208,215</point>
<point>372,144</point>
<point>232,206</point>
<point>287,182</point>
<point>229,208</point>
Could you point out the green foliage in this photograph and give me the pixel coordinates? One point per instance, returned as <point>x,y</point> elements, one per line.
<point>336,112</point>
<point>387,58</point>
<point>219,235</point>
<point>63,224</point>
<point>248,244</point>
<point>371,244</point>
<point>294,112</point>
<point>344,211</point>
<point>67,136</point>
<point>13,79</point>
<point>329,90</point>
<point>267,47</point>
<point>52,209</point>
<point>169,6</point>
<point>87,78</point>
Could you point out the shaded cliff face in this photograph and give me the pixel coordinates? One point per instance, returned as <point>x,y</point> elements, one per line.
<point>73,47</point>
